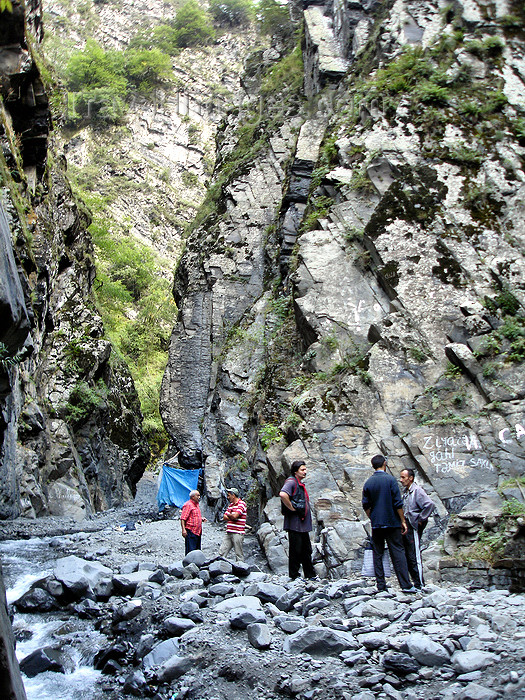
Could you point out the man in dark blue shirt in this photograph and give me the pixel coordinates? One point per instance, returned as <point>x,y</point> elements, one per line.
<point>383,504</point>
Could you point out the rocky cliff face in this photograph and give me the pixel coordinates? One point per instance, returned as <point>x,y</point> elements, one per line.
<point>359,287</point>
<point>71,437</point>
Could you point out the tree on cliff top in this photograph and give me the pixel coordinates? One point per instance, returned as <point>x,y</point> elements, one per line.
<point>232,13</point>
<point>192,26</point>
<point>274,18</point>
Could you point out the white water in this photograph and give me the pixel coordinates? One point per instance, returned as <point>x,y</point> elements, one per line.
<point>26,561</point>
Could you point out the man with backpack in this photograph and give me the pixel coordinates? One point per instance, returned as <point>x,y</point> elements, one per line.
<point>297,521</point>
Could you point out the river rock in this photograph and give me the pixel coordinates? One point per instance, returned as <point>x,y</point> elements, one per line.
<point>244,601</point>
<point>400,664</point>
<point>259,635</point>
<point>174,667</point>
<point>41,660</point>
<point>126,584</point>
<point>79,576</point>
<point>241,569</point>
<point>426,651</point>
<point>36,600</point>
<point>197,557</point>
<point>289,623</point>
<point>240,618</point>
<point>115,651</point>
<point>177,626</point>
<point>266,592</point>
<point>161,653</point>
<point>221,589</point>
<point>191,609</point>
<point>467,661</point>
<point>380,607</point>
<point>372,640</point>
<point>288,599</point>
<point>475,691</point>
<point>219,567</point>
<point>135,684</point>
<point>319,641</point>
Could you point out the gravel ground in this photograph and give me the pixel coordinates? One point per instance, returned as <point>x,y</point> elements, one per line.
<point>154,537</point>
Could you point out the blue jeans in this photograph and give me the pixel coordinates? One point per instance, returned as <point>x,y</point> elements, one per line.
<point>193,541</point>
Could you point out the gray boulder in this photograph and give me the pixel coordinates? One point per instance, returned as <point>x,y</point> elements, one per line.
<point>267,592</point>
<point>380,607</point>
<point>174,667</point>
<point>127,611</point>
<point>126,584</point>
<point>373,640</point>
<point>41,660</point>
<point>240,618</point>
<point>129,567</point>
<point>78,575</point>
<point>289,598</point>
<point>135,684</point>
<point>191,609</point>
<point>467,661</point>
<point>289,623</point>
<point>196,557</point>
<point>350,658</point>
<point>220,567</point>
<point>319,641</point>
<point>242,601</point>
<point>426,651</point>
<point>161,653</point>
<point>259,635</point>
<point>475,691</point>
<point>400,664</point>
<point>176,626</point>
<point>223,589</point>
<point>36,600</point>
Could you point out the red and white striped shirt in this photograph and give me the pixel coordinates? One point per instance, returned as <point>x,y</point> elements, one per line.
<point>238,525</point>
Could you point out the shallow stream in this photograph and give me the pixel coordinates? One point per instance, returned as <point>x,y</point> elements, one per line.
<point>26,561</point>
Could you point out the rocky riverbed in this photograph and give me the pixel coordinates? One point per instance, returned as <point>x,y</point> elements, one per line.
<point>205,628</point>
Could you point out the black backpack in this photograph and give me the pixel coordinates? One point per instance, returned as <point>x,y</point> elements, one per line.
<point>298,501</point>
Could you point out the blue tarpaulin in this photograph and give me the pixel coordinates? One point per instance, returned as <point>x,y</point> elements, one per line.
<point>175,486</point>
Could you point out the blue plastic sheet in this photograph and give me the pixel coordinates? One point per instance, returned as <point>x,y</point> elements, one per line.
<point>175,486</point>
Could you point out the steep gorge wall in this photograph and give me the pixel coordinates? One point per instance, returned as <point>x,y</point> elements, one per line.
<point>71,438</point>
<point>378,305</point>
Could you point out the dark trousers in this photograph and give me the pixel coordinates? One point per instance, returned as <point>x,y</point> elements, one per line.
<point>392,537</point>
<point>411,543</point>
<point>300,552</point>
<point>192,541</point>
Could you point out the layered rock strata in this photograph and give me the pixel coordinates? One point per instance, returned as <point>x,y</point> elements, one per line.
<point>406,288</point>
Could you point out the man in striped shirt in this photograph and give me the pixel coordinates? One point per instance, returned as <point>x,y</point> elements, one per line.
<point>235,519</point>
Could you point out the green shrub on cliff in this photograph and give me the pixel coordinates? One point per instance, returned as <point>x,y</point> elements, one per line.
<point>101,81</point>
<point>232,13</point>
<point>191,27</point>
<point>274,18</point>
<point>138,312</point>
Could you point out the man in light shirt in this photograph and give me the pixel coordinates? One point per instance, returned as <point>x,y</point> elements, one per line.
<point>417,507</point>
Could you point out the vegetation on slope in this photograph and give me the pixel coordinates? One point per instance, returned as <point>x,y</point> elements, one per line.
<point>133,289</point>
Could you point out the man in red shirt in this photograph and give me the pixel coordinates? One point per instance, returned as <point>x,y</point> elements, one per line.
<point>191,522</point>
<point>235,518</point>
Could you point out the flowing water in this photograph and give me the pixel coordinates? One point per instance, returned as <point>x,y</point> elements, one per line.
<point>26,561</point>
